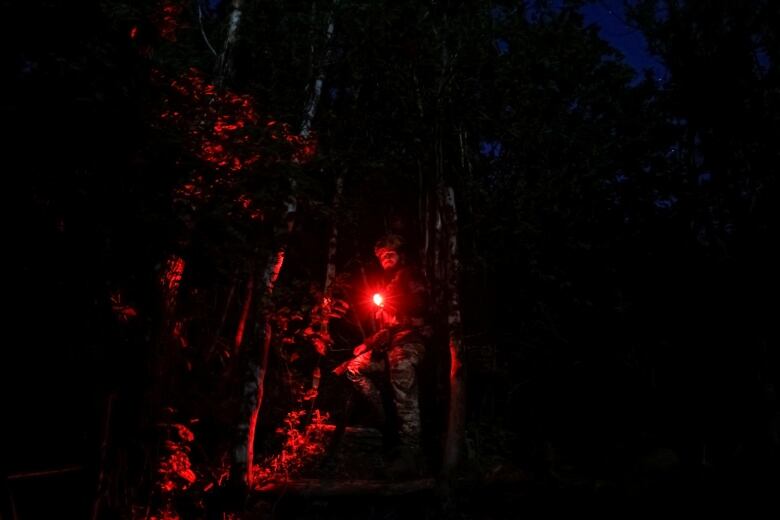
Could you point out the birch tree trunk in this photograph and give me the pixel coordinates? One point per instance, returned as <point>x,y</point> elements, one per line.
<point>441,250</point>
<point>224,67</point>
<point>253,385</point>
<point>447,265</point>
<point>456,419</point>
<point>316,91</point>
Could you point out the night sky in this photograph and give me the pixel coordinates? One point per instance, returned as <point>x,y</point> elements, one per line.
<point>618,31</point>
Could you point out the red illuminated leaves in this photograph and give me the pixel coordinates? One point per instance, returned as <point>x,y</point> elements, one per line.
<point>303,148</point>
<point>122,311</point>
<point>302,330</point>
<point>184,433</point>
<point>320,342</point>
<point>175,470</point>
<point>178,334</point>
<point>170,279</point>
<point>248,205</point>
<point>171,276</point>
<point>167,514</point>
<point>167,19</point>
<point>220,126</point>
<point>192,190</point>
<point>302,446</point>
<point>225,131</point>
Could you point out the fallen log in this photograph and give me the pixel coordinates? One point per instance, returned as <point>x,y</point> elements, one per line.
<point>44,473</point>
<point>332,488</point>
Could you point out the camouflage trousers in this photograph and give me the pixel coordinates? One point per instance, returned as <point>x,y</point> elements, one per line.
<point>401,361</point>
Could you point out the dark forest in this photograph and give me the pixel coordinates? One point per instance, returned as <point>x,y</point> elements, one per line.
<point>195,190</point>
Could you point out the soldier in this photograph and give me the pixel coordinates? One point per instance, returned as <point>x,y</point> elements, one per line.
<point>397,347</point>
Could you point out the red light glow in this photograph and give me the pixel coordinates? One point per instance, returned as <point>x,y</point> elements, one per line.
<point>378,300</point>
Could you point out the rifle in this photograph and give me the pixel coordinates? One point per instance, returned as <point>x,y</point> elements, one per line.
<point>379,343</point>
<point>339,370</point>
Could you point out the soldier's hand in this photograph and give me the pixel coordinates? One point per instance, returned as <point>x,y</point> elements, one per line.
<point>360,349</point>
<point>386,318</point>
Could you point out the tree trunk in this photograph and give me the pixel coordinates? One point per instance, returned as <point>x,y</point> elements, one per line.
<point>224,68</point>
<point>330,271</point>
<point>447,264</point>
<point>102,480</point>
<point>316,91</point>
<point>443,267</point>
<point>253,387</point>
<point>250,289</point>
<point>456,420</point>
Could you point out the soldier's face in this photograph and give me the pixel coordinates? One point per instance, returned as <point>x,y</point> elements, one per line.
<point>388,258</point>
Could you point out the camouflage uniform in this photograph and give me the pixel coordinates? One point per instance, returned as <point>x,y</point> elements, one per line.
<point>398,347</point>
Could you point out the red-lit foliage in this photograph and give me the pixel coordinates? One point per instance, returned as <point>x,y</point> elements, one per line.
<point>175,475</point>
<point>168,513</point>
<point>299,330</point>
<point>122,311</point>
<point>170,279</point>
<point>171,276</point>
<point>226,132</point>
<point>175,470</point>
<point>302,445</point>
<point>218,125</point>
<point>167,19</point>
<point>224,128</point>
